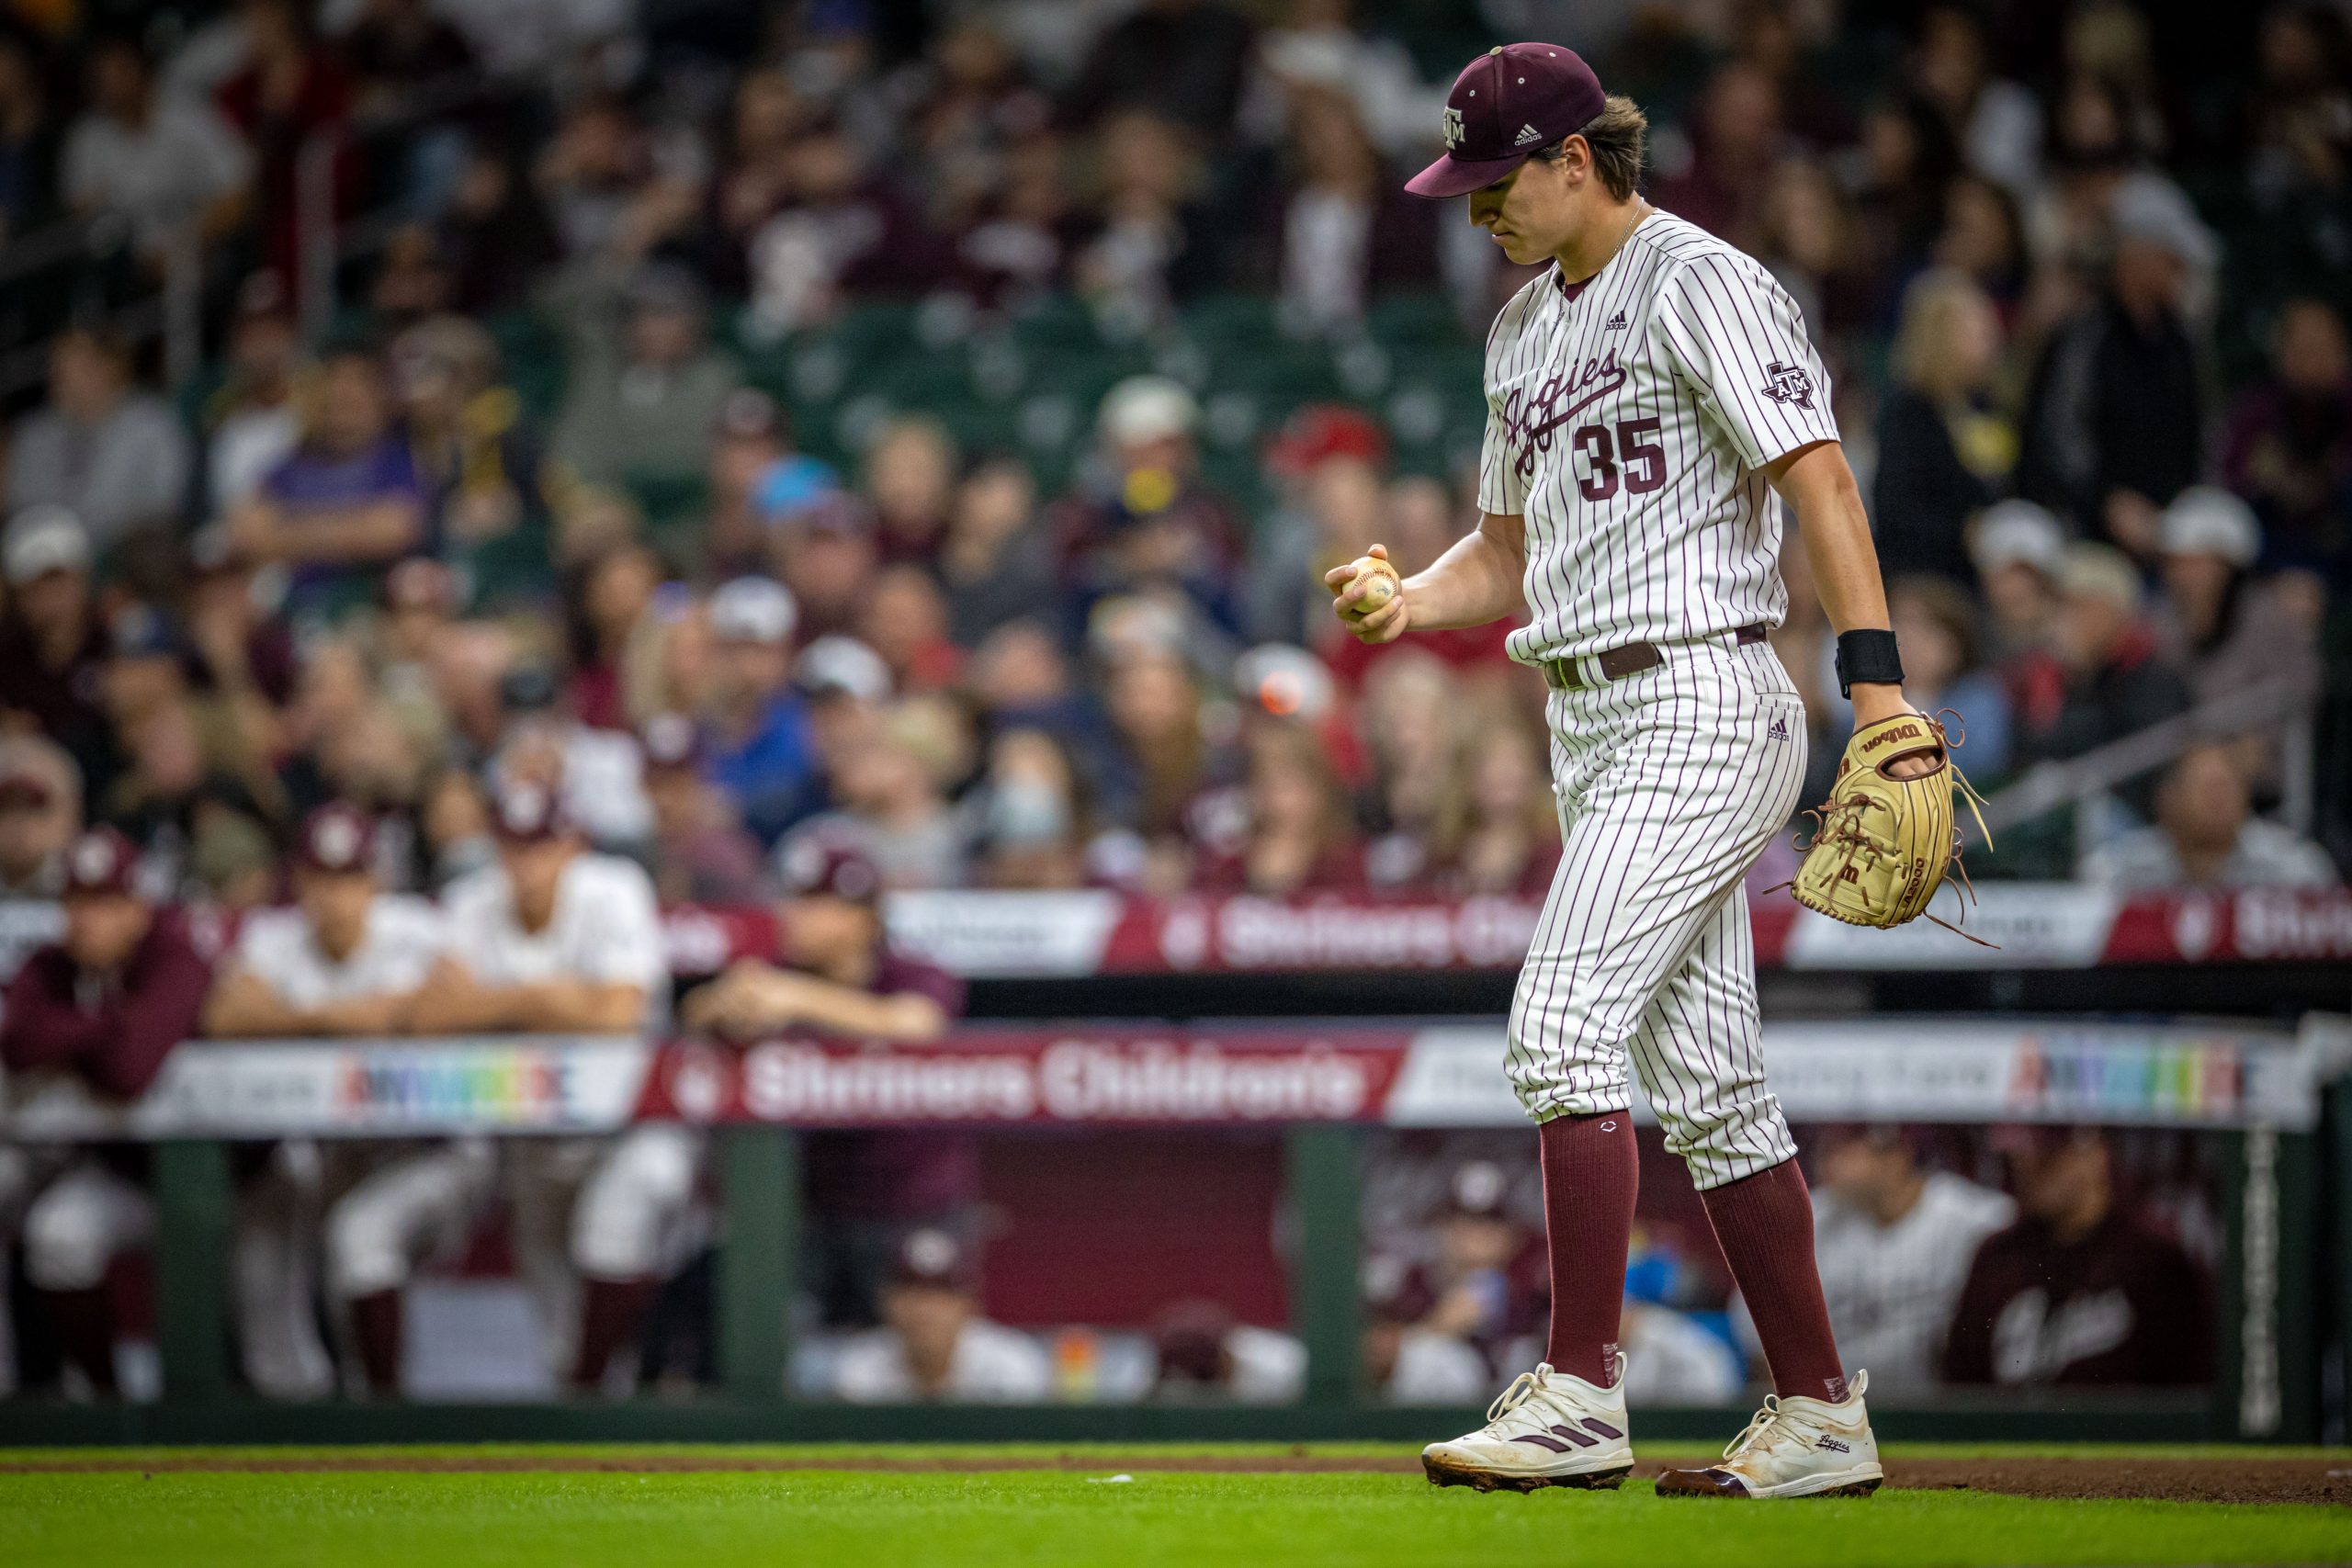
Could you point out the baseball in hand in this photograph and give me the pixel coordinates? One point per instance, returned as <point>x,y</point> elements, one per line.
<point>1379,580</point>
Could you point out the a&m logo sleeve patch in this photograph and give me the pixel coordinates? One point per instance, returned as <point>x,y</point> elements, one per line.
<point>1787,383</point>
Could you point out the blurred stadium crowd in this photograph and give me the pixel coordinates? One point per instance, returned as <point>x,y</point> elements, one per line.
<point>817,449</point>
<point>946,416</point>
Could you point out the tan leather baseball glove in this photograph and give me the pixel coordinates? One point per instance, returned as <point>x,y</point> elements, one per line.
<point>1885,844</point>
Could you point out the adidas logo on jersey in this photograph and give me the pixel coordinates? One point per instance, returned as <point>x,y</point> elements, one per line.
<point>1780,730</point>
<point>1615,324</point>
<point>1527,133</point>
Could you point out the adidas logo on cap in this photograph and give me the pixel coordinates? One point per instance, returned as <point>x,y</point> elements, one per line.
<point>1527,133</point>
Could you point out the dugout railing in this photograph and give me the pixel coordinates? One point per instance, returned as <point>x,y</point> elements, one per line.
<point>2257,1097</point>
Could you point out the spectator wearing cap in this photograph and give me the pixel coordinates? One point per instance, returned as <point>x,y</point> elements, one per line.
<point>1944,454</point>
<point>348,502</point>
<point>41,814</point>
<point>2016,550</point>
<point>2289,447</point>
<point>597,776</point>
<point>112,455</point>
<point>759,743</point>
<point>2115,679</point>
<point>994,560</point>
<point>2112,427</point>
<point>646,386</point>
<point>836,972</point>
<point>2230,629</point>
<point>1893,1235</point>
<point>251,423</point>
<point>758,482</point>
<point>104,1006</point>
<point>557,938</point>
<point>483,463</point>
<point>347,958</point>
<point>826,553</point>
<point>2206,838</point>
<point>1481,1286</point>
<point>934,1344</point>
<point>52,645</point>
<point>1144,521</point>
<point>700,853</point>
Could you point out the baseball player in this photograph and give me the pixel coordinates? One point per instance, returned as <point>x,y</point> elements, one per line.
<point>1647,396</point>
<point>348,959</point>
<point>554,938</point>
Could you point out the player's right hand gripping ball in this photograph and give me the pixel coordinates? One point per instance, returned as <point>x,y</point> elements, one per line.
<point>1885,844</point>
<point>1379,582</point>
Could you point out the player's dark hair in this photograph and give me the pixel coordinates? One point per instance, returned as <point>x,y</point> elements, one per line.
<point>1616,136</point>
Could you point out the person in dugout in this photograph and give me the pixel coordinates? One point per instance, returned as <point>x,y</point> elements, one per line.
<point>104,1006</point>
<point>550,938</point>
<point>839,975</point>
<point>348,959</point>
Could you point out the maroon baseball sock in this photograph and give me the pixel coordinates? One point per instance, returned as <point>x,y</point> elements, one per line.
<point>375,1332</point>
<point>1590,1174</point>
<point>1764,1224</point>
<point>83,1323</point>
<point>611,1312</point>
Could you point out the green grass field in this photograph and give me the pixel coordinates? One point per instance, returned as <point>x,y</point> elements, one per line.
<point>716,1519</point>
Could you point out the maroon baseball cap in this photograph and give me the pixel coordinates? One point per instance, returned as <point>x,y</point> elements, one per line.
<point>338,837</point>
<point>526,813</point>
<point>822,864</point>
<point>101,862</point>
<point>1509,102</point>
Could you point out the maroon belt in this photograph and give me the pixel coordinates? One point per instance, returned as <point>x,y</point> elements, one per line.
<point>1565,674</point>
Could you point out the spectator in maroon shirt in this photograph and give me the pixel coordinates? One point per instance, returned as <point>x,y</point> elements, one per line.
<point>105,1005</point>
<point>839,975</point>
<point>2077,1291</point>
<point>1738,139</point>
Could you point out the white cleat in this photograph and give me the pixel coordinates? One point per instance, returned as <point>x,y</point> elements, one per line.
<point>1547,1429</point>
<point>1795,1447</point>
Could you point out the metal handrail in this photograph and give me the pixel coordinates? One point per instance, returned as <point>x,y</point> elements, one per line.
<point>2284,705</point>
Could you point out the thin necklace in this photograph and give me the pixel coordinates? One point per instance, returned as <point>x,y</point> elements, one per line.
<point>1641,209</point>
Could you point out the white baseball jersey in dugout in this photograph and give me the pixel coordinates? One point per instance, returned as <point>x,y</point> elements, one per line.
<point>280,948</point>
<point>1628,421</point>
<point>606,929</point>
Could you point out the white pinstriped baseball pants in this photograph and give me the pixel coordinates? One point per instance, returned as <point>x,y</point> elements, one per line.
<point>1670,783</point>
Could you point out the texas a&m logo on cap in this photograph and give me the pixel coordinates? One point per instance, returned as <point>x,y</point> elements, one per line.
<point>1455,129</point>
<point>1786,383</point>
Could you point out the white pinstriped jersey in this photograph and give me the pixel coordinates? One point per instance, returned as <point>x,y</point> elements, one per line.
<point>1629,427</point>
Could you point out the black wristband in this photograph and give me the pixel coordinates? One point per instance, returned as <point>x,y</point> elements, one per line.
<point>1867,658</point>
